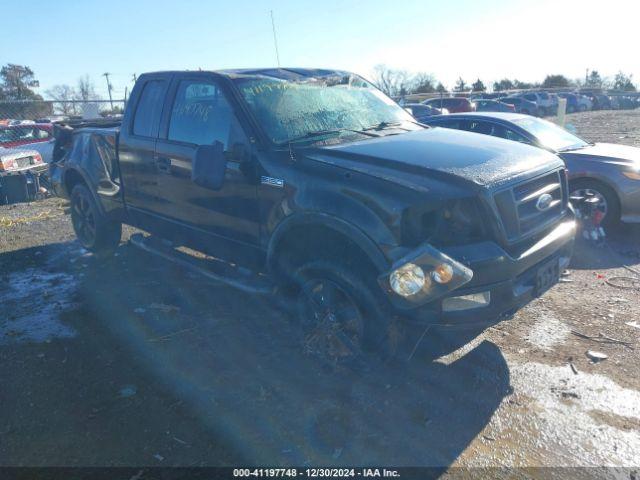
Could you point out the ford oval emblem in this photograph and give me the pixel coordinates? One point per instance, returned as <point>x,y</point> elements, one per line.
<point>544,202</point>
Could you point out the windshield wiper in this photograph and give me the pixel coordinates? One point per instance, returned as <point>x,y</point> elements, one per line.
<point>382,126</point>
<point>322,133</point>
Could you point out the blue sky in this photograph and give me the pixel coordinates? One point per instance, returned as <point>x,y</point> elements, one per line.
<point>62,40</point>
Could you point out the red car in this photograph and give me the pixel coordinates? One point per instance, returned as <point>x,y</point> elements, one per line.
<point>453,104</point>
<point>18,135</point>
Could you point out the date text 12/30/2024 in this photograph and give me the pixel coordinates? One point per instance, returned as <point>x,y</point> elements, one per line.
<point>316,472</point>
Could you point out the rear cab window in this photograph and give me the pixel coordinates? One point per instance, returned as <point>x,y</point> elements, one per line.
<point>146,120</point>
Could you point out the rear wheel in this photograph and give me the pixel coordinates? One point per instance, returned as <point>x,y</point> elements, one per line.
<point>340,318</point>
<point>608,203</point>
<point>94,230</point>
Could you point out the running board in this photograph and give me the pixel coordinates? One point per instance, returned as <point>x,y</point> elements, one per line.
<point>212,268</point>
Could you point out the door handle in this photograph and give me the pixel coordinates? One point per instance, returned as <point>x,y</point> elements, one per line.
<point>163,164</point>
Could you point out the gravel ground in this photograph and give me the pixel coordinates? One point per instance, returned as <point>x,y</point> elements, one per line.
<point>136,362</point>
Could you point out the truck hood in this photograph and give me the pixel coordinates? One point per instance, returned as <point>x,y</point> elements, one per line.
<point>606,153</point>
<point>440,152</point>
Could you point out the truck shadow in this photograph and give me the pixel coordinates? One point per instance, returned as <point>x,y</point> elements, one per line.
<point>231,357</point>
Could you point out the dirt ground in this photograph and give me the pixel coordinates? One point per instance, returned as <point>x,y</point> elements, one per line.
<point>137,362</point>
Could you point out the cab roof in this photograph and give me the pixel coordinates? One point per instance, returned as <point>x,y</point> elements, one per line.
<point>278,73</point>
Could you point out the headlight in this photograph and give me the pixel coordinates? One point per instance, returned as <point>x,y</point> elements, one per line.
<point>408,280</point>
<point>632,175</point>
<point>423,276</point>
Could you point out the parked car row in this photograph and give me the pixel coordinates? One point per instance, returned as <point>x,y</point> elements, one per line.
<point>536,103</point>
<point>546,103</point>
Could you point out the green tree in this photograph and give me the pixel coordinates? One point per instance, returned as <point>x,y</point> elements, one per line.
<point>16,82</point>
<point>461,86</point>
<point>624,82</point>
<point>441,88</point>
<point>478,86</point>
<point>556,81</point>
<point>524,85</point>
<point>504,84</point>
<point>594,80</point>
<point>423,83</point>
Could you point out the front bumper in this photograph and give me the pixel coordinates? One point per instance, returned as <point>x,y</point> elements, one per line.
<point>510,279</point>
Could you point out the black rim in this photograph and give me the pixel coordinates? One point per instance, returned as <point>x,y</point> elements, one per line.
<point>331,322</point>
<point>84,221</point>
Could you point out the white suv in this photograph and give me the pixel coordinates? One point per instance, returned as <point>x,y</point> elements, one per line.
<point>541,99</point>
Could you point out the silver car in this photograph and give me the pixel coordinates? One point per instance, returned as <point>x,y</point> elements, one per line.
<point>611,172</point>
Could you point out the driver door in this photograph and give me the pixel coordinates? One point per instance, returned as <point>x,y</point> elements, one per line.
<point>224,222</point>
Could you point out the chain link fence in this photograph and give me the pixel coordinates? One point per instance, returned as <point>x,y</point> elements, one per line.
<point>17,111</point>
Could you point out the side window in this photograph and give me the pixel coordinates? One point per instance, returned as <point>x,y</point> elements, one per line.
<point>147,114</point>
<point>484,128</point>
<point>455,124</point>
<point>25,133</point>
<point>511,135</point>
<point>201,115</point>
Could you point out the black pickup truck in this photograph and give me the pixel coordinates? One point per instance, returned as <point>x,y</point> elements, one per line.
<point>322,183</point>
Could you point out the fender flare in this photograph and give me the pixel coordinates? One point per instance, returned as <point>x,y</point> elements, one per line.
<point>596,177</point>
<point>353,233</point>
<point>87,181</point>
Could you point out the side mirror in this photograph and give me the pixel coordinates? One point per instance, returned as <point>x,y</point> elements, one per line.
<point>209,166</point>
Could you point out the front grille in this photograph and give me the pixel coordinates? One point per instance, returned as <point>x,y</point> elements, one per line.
<point>521,207</point>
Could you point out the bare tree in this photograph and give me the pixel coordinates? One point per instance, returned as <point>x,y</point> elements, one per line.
<point>86,89</point>
<point>392,82</point>
<point>63,95</point>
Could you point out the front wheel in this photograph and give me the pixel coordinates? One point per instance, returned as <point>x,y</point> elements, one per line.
<point>340,317</point>
<point>95,231</point>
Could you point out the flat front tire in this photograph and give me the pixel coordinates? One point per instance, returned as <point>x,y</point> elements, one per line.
<point>340,317</point>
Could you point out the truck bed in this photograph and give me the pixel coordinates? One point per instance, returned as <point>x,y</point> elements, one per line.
<point>92,147</point>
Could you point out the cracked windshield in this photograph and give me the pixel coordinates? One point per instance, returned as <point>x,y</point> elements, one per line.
<point>336,242</point>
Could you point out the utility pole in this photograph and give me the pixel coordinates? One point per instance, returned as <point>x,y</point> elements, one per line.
<point>106,75</point>
<point>275,38</point>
